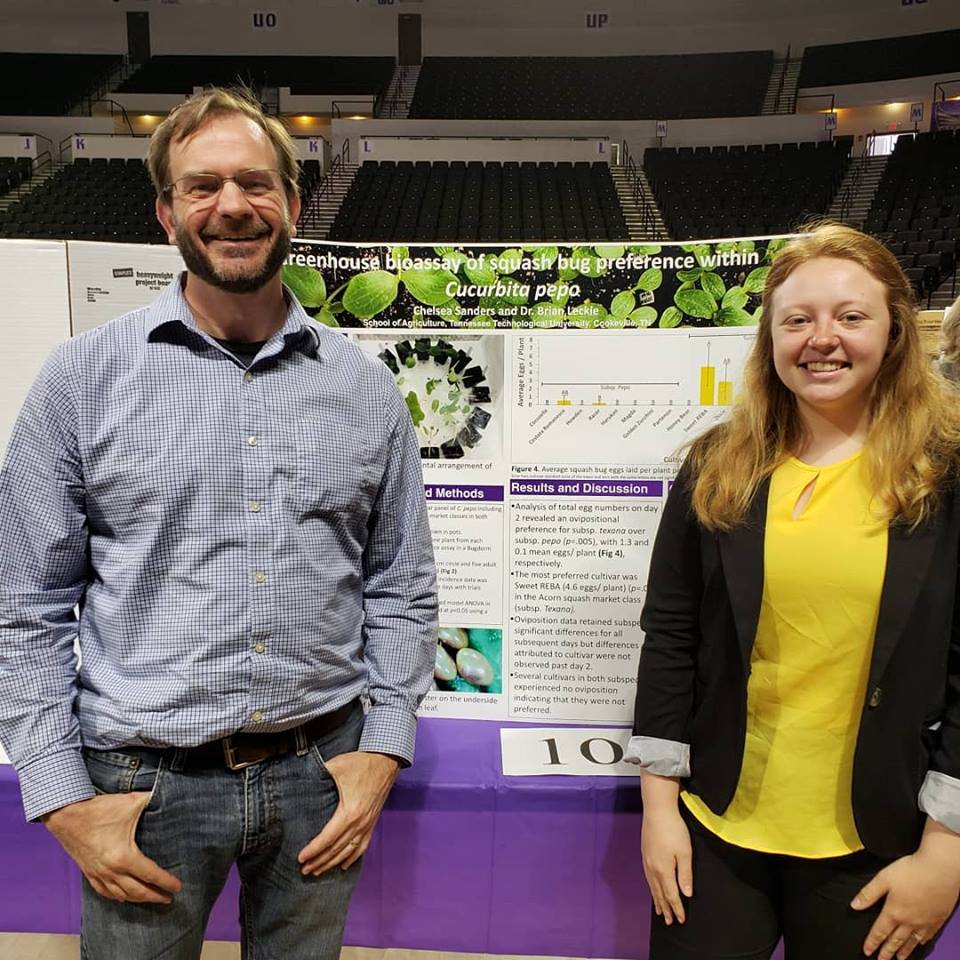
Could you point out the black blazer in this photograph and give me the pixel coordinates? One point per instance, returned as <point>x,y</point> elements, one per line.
<point>700,619</point>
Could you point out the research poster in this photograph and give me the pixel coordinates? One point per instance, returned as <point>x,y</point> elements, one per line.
<point>552,389</point>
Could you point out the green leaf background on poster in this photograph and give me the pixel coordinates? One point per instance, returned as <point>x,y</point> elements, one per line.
<point>367,294</point>
<point>587,286</point>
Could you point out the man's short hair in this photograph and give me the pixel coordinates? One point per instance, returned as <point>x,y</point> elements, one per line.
<point>188,117</point>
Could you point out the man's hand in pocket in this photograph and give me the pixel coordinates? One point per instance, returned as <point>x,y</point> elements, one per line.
<point>99,835</point>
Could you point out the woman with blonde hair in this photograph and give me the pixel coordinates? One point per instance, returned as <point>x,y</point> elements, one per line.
<point>797,719</point>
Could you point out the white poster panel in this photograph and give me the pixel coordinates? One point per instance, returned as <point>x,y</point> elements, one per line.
<point>35,317</point>
<point>110,279</point>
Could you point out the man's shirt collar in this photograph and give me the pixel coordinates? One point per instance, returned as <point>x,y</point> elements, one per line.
<point>171,309</point>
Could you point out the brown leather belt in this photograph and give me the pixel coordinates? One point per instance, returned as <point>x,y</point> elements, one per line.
<point>245,749</point>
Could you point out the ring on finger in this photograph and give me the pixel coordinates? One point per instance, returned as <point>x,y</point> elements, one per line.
<point>355,842</point>
<point>916,936</point>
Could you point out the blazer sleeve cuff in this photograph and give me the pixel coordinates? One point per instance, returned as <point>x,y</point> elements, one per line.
<point>665,758</point>
<point>940,799</point>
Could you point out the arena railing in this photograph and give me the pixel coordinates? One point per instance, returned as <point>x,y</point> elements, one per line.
<point>310,217</point>
<point>388,105</point>
<point>368,105</point>
<point>642,200</point>
<point>783,79</point>
<point>851,188</point>
<point>104,83</point>
<point>115,108</point>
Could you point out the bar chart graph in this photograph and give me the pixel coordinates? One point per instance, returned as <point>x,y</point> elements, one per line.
<point>607,397</point>
<point>714,391</point>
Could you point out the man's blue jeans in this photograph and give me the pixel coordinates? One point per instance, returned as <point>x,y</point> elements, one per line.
<point>201,821</point>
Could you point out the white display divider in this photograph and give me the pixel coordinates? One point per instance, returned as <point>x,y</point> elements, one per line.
<point>35,317</point>
<point>51,289</point>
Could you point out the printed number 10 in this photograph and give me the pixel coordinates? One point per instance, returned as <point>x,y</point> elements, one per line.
<point>586,751</point>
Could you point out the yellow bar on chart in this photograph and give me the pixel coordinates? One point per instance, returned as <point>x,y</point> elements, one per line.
<point>707,381</point>
<point>564,403</point>
<point>725,392</point>
<point>599,403</point>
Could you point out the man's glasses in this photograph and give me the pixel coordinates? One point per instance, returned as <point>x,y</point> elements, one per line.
<point>205,186</point>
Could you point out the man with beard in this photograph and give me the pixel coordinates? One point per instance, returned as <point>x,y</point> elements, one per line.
<point>232,495</point>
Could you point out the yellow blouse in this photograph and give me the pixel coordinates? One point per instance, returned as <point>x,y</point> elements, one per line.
<point>823,574</point>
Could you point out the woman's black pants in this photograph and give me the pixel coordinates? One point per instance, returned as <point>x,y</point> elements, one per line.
<point>744,902</point>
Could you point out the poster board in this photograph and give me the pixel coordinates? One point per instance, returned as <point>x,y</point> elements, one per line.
<point>110,279</point>
<point>551,388</point>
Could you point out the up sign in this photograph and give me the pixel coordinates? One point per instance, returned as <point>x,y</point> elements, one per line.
<point>598,21</point>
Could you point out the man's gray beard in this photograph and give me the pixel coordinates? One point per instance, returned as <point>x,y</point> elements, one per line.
<point>200,265</point>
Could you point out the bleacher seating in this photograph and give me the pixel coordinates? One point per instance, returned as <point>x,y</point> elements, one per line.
<point>473,200</point>
<point>89,200</point>
<point>101,199</point>
<point>892,58</point>
<point>329,76</point>
<point>916,209</point>
<point>742,191</point>
<point>50,84</point>
<point>592,88</point>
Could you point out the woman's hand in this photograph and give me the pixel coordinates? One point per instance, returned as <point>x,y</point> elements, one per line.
<point>665,844</point>
<point>921,891</point>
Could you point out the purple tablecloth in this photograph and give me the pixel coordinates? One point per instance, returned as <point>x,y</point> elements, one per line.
<point>464,860</point>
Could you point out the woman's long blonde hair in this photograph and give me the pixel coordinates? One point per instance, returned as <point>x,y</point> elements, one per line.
<point>914,433</point>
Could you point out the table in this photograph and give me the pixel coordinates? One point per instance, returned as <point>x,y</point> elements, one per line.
<point>464,859</point>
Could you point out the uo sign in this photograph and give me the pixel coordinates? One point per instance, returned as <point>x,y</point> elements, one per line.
<point>264,20</point>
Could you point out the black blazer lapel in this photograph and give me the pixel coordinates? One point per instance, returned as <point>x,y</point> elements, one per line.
<point>909,555</point>
<point>741,553</point>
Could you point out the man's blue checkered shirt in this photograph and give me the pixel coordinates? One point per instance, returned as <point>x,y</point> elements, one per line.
<point>249,549</point>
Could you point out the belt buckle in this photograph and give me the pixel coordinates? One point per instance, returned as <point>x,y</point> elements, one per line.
<point>230,756</point>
